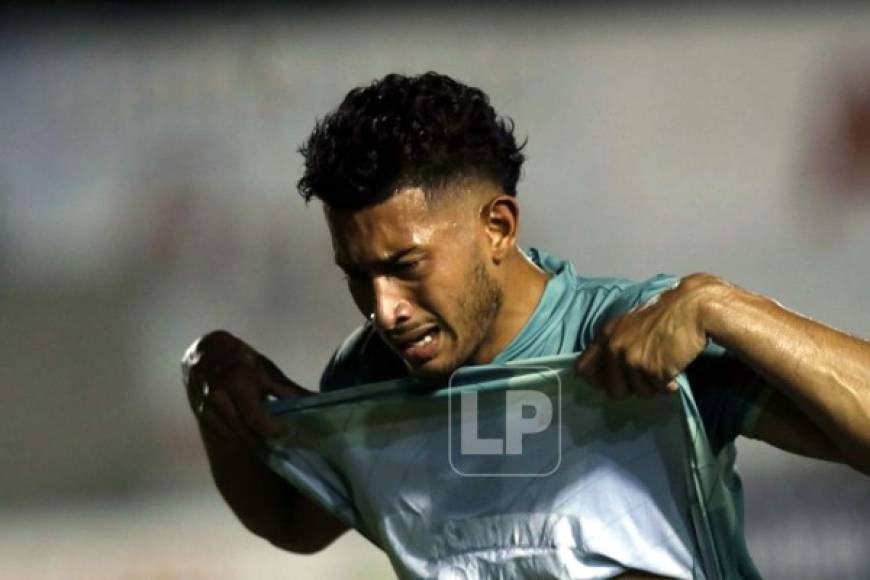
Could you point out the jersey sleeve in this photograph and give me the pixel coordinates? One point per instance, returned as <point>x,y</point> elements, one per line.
<point>362,358</point>
<point>339,370</point>
<point>729,395</point>
<point>327,377</point>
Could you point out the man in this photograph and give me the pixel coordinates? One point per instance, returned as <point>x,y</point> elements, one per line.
<point>418,180</point>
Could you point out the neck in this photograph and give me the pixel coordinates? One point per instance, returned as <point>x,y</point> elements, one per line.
<point>522,285</point>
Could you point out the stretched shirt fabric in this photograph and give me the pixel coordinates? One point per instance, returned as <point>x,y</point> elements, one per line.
<point>591,490</point>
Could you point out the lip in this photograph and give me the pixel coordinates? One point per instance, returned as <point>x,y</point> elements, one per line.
<point>405,339</point>
<point>418,354</point>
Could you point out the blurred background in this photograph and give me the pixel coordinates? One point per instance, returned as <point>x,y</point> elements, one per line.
<point>147,195</point>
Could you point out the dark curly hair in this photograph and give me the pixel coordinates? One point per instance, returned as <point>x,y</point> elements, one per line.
<point>400,131</point>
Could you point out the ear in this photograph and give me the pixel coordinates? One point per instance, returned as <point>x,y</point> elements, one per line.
<point>500,219</point>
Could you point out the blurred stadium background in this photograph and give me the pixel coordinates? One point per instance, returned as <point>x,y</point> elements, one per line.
<point>147,195</point>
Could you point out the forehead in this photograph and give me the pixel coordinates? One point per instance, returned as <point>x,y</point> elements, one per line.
<point>400,222</point>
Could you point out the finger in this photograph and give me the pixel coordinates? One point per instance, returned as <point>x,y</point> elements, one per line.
<point>639,382</point>
<point>615,379</point>
<point>249,395</point>
<point>591,367</point>
<point>204,359</point>
<point>192,385</point>
<point>222,417</point>
<point>589,362</point>
<point>197,390</point>
<point>201,385</point>
<point>666,381</point>
<point>216,346</point>
<point>279,384</point>
<point>220,351</point>
<point>211,421</point>
<point>189,360</point>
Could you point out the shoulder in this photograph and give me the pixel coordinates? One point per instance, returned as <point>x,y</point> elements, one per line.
<point>607,296</point>
<point>603,299</point>
<point>620,295</point>
<point>582,305</point>
<point>362,357</point>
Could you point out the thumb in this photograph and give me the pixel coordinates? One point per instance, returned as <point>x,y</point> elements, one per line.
<point>278,381</point>
<point>588,360</point>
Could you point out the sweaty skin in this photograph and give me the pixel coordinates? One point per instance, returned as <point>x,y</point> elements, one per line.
<point>461,258</point>
<point>441,268</point>
<point>821,377</point>
<point>451,269</point>
<point>233,423</point>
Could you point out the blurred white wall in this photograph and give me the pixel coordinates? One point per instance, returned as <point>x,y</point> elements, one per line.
<point>147,195</point>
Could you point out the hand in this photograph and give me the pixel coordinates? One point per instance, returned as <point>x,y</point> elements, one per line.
<point>643,351</point>
<point>227,384</point>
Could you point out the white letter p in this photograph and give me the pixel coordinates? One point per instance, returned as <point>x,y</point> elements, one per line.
<point>516,425</point>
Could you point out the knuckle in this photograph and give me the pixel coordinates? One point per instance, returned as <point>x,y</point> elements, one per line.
<point>213,346</point>
<point>220,405</point>
<point>220,346</point>
<point>612,349</point>
<point>609,327</point>
<point>249,414</point>
<point>251,421</point>
<point>196,355</point>
<point>190,361</point>
<point>634,360</point>
<point>241,379</point>
<point>216,338</point>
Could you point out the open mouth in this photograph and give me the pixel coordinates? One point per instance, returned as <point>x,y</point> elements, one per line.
<point>423,348</point>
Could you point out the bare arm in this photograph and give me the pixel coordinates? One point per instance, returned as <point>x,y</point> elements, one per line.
<point>821,377</point>
<point>821,406</point>
<point>266,504</point>
<point>233,423</point>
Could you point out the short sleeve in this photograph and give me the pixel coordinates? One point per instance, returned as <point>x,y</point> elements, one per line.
<point>327,377</point>
<point>729,395</point>
<point>362,358</point>
<point>635,295</point>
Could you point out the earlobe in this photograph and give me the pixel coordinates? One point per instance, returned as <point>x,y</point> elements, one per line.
<point>501,220</point>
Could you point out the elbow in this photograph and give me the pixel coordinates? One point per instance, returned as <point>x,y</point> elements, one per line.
<point>862,467</point>
<point>295,543</point>
<point>861,463</point>
<point>856,454</point>
<point>280,536</point>
<point>303,540</point>
<point>303,544</point>
<point>303,548</point>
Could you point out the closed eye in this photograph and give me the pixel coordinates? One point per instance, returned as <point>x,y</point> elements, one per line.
<point>409,269</point>
<point>405,266</point>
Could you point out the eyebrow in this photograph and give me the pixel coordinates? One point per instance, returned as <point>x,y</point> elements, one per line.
<point>381,263</point>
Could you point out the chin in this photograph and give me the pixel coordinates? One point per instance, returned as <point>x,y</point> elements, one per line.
<point>432,369</point>
<point>426,372</point>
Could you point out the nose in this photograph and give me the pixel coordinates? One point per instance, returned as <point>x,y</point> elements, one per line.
<point>391,307</point>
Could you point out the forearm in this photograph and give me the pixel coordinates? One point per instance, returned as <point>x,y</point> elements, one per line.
<point>267,505</point>
<point>825,372</point>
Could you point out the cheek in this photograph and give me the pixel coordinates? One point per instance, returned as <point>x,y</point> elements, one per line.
<point>444,297</point>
